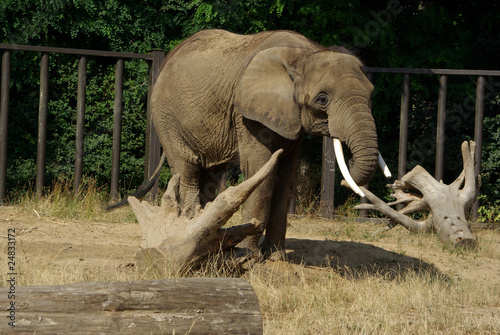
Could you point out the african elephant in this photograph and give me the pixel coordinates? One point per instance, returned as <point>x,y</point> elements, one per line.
<point>222,98</point>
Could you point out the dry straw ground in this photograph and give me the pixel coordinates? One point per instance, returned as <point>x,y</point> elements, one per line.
<point>339,278</point>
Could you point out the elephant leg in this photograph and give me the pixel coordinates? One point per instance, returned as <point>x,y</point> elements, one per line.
<point>258,205</point>
<point>212,182</point>
<point>274,241</point>
<point>189,188</point>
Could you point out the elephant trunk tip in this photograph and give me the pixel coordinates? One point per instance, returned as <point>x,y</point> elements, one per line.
<point>362,170</point>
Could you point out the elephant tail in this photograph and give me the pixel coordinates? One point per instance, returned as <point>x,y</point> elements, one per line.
<point>143,188</point>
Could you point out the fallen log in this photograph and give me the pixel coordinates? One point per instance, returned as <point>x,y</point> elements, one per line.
<point>174,306</point>
<point>447,204</point>
<point>180,242</point>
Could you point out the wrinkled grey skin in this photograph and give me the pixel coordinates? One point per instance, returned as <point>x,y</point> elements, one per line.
<point>223,98</point>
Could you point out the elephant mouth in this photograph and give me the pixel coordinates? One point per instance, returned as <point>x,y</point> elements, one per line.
<point>339,155</point>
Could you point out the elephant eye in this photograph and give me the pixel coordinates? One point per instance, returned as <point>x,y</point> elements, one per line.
<point>322,100</point>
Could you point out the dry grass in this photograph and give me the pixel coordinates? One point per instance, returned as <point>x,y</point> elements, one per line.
<point>306,299</point>
<point>297,300</point>
<point>61,201</point>
<point>369,303</point>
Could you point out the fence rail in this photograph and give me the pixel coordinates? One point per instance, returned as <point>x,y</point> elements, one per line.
<point>155,59</point>
<point>81,52</point>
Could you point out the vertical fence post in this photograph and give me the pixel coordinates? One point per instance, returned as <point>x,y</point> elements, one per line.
<point>153,145</point>
<point>403,126</point>
<point>478,138</point>
<point>441,121</point>
<point>4,120</point>
<point>80,121</point>
<point>42,123</point>
<point>327,179</point>
<point>117,130</point>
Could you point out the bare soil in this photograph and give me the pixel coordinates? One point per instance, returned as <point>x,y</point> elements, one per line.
<point>78,242</point>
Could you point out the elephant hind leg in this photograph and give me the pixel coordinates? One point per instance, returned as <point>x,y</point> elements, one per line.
<point>212,182</point>
<point>258,206</point>
<point>189,190</point>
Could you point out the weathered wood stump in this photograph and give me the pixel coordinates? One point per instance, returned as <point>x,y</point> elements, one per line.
<point>447,204</point>
<point>171,238</point>
<point>174,306</point>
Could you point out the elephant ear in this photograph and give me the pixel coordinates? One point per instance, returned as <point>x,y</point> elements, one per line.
<point>265,92</point>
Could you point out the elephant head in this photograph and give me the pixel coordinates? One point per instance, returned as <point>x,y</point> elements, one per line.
<point>321,91</point>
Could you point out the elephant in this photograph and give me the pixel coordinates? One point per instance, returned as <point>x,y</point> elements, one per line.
<point>222,99</point>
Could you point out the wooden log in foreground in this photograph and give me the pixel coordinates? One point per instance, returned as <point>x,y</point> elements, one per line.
<point>174,306</point>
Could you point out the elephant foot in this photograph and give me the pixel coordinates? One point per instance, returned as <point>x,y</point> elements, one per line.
<point>278,255</point>
<point>245,259</point>
<point>267,251</point>
<point>251,243</point>
<point>273,251</point>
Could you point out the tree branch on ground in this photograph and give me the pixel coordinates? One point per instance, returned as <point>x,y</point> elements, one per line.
<point>447,204</point>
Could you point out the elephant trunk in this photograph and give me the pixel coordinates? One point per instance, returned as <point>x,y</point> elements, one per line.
<point>357,130</point>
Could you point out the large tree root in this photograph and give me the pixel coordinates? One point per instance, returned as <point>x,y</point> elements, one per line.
<point>447,204</point>
<point>171,237</point>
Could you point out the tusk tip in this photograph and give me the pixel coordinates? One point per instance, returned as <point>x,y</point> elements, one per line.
<point>384,167</point>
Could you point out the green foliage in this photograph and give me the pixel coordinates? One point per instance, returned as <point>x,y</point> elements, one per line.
<point>489,212</point>
<point>490,169</point>
<point>387,33</point>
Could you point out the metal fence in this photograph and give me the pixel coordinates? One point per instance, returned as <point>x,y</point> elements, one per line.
<point>155,59</point>
<point>328,171</point>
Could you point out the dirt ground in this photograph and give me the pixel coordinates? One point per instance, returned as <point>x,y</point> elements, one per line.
<point>78,250</point>
<point>113,246</point>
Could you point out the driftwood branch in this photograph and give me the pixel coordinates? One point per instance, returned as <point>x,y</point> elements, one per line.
<point>183,242</point>
<point>447,204</point>
<point>387,210</point>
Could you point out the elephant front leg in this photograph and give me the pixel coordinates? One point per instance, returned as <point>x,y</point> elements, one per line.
<point>274,241</point>
<point>273,246</point>
<point>258,206</point>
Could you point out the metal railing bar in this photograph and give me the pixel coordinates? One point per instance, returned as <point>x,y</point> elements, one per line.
<point>42,123</point>
<point>403,126</point>
<point>478,137</point>
<point>81,52</point>
<point>117,130</point>
<point>478,122</point>
<point>327,179</point>
<point>4,120</point>
<point>432,71</point>
<point>441,123</point>
<point>80,121</point>
<point>128,55</point>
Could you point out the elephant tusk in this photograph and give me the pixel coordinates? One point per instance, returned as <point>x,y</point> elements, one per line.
<point>339,154</point>
<point>384,167</point>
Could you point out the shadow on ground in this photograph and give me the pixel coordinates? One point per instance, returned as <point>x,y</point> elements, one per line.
<point>356,259</point>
